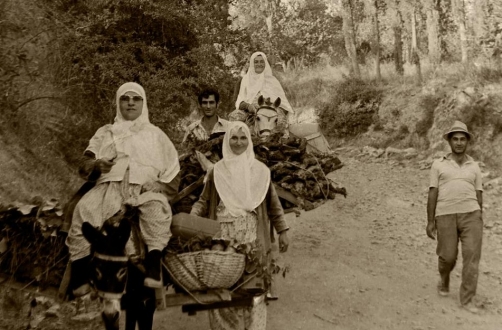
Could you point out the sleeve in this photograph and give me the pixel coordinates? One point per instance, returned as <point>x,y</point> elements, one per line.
<point>242,93</point>
<point>275,211</point>
<point>201,207</point>
<point>96,141</point>
<point>171,161</point>
<point>478,184</point>
<point>243,106</point>
<point>434,175</point>
<point>170,189</point>
<point>187,132</point>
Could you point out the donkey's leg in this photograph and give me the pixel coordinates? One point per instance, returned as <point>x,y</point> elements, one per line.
<point>148,305</point>
<point>131,316</point>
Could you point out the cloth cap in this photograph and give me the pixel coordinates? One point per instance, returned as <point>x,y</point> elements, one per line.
<point>458,126</point>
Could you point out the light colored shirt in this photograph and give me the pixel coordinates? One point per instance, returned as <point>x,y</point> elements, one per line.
<point>197,132</point>
<point>457,185</point>
<point>148,153</point>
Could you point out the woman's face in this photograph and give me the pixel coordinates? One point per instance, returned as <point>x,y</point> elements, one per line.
<point>238,142</point>
<point>131,105</point>
<point>259,64</point>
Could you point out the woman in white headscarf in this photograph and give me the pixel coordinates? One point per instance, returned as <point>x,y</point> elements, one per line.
<point>130,161</point>
<point>239,194</point>
<point>259,81</point>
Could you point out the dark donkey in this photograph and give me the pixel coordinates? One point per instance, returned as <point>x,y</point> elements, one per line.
<point>117,278</point>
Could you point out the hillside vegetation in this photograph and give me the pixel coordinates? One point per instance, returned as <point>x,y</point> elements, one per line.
<point>62,60</point>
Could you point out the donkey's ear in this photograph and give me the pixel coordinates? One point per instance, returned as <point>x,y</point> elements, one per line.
<point>261,100</point>
<point>277,102</point>
<point>91,234</point>
<point>124,231</point>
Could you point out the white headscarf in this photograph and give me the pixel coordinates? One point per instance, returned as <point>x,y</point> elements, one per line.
<point>265,83</point>
<point>121,126</point>
<point>242,181</point>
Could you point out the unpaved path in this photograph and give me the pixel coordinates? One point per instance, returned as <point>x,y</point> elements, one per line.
<point>364,262</point>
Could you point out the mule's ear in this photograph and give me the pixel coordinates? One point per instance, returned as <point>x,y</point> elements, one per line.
<point>124,232</point>
<point>91,234</point>
<point>261,100</point>
<point>277,102</point>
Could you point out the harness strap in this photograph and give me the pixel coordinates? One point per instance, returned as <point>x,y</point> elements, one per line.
<point>111,258</point>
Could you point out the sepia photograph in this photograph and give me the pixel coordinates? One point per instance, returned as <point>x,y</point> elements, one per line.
<point>251,164</point>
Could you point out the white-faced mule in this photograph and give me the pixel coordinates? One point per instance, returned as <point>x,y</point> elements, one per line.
<point>117,278</point>
<point>266,117</point>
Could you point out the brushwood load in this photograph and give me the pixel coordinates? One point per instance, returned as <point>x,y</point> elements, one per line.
<point>299,175</point>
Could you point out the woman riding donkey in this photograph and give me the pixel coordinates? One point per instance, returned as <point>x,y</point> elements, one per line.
<point>134,162</point>
<point>239,194</point>
<point>259,81</point>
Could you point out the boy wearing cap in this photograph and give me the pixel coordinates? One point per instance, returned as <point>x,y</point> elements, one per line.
<point>454,210</point>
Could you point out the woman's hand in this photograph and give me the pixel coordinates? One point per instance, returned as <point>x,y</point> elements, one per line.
<point>152,186</point>
<point>104,165</point>
<point>252,108</point>
<point>283,241</point>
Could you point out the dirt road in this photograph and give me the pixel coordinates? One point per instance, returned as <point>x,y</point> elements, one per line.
<point>364,262</point>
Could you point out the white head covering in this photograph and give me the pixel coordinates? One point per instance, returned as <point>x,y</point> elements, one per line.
<point>265,83</point>
<point>121,127</point>
<point>242,181</point>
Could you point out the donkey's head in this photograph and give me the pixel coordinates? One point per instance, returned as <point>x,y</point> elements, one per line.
<point>266,116</point>
<point>109,263</point>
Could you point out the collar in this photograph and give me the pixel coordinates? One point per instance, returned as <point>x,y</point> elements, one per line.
<point>220,121</point>
<point>448,157</point>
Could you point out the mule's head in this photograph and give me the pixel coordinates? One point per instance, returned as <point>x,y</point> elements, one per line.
<point>266,116</point>
<point>109,263</point>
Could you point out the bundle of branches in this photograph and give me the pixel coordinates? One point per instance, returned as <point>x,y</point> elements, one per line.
<point>31,247</point>
<point>303,174</point>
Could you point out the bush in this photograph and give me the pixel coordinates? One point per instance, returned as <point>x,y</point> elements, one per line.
<point>352,109</point>
<point>428,103</point>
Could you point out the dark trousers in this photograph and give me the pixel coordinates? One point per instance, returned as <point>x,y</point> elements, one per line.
<point>468,228</point>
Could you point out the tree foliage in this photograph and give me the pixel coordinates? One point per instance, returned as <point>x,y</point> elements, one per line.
<point>171,48</point>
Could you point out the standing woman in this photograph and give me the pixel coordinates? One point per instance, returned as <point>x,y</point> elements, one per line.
<point>130,161</point>
<point>239,194</point>
<point>259,81</point>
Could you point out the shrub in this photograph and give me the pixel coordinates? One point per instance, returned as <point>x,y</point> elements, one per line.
<point>351,110</point>
<point>428,103</point>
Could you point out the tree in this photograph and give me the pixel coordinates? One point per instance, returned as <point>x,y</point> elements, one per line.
<point>350,35</point>
<point>433,36</point>
<point>458,9</point>
<point>373,4</point>
<point>415,58</point>
<point>398,41</point>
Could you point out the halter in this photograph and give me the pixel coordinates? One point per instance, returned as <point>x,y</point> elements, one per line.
<point>111,258</point>
<point>100,286</point>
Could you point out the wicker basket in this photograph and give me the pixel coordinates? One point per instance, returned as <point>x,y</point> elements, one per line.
<point>202,270</point>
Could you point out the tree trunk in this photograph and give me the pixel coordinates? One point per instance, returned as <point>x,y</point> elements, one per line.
<point>459,15</point>
<point>415,58</point>
<point>349,36</point>
<point>376,43</point>
<point>398,41</point>
<point>433,35</point>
